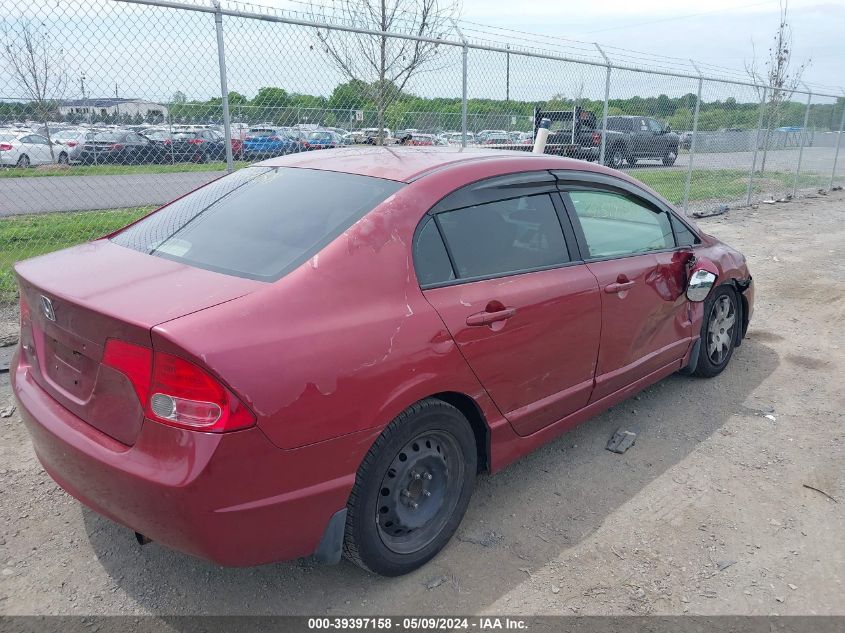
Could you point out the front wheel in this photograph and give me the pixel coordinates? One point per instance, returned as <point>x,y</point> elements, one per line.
<point>411,490</point>
<point>23,161</point>
<point>669,157</point>
<point>718,332</point>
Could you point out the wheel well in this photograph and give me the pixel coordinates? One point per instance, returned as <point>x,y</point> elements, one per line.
<point>472,413</point>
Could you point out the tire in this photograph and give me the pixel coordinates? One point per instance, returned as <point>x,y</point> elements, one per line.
<point>669,157</point>
<point>631,161</point>
<point>615,158</point>
<point>23,161</point>
<point>417,480</point>
<point>63,160</point>
<point>718,339</point>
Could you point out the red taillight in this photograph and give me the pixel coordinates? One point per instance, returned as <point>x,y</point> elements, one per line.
<point>596,138</point>
<point>194,141</point>
<point>167,141</point>
<point>174,391</point>
<point>133,361</point>
<point>116,146</point>
<point>72,143</point>
<point>5,147</point>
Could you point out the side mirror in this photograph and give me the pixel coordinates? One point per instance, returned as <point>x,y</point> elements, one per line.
<point>702,278</point>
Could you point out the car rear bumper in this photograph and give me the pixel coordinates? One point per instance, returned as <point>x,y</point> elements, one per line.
<point>233,498</point>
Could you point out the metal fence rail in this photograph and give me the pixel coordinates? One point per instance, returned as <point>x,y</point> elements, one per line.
<point>202,82</point>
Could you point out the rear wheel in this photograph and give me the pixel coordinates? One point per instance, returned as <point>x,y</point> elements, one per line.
<point>23,161</point>
<point>718,332</point>
<point>615,158</point>
<point>631,161</point>
<point>411,490</point>
<point>63,159</point>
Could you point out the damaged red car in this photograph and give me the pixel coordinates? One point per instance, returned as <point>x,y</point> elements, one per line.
<point>254,373</point>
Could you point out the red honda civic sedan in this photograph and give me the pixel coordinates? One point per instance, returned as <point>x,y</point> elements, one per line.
<point>317,354</point>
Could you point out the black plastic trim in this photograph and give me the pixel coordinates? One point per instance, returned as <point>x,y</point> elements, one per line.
<point>330,549</point>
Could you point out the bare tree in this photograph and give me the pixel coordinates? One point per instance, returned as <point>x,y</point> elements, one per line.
<point>780,75</point>
<point>384,63</point>
<point>37,68</point>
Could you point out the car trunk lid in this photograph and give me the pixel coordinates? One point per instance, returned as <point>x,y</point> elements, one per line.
<point>81,297</point>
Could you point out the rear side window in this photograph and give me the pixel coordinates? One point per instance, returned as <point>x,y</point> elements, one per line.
<point>430,257</point>
<point>616,226</point>
<point>504,237</point>
<point>259,222</point>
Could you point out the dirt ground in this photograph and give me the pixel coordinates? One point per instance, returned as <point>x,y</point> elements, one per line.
<point>707,514</point>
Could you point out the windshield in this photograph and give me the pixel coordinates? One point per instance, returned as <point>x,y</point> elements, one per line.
<point>259,222</point>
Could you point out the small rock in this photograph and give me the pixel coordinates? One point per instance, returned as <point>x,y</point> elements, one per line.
<point>555,589</point>
<point>7,411</point>
<point>791,586</point>
<point>779,599</point>
<point>435,582</point>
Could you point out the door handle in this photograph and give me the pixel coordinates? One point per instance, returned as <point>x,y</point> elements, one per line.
<point>618,286</point>
<point>487,318</point>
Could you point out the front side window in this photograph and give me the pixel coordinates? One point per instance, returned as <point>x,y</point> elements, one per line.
<point>259,222</point>
<point>504,237</point>
<point>655,126</point>
<point>615,225</point>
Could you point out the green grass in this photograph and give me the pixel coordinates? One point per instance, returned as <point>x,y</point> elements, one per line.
<point>112,170</point>
<point>25,236</point>
<point>721,184</point>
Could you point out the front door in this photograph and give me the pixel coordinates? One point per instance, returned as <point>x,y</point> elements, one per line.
<point>522,312</point>
<point>642,274</point>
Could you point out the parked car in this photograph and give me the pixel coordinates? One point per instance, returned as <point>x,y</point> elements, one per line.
<point>121,147</point>
<point>207,145</point>
<point>22,149</point>
<point>418,139</point>
<point>71,141</point>
<point>686,140</point>
<point>255,373</point>
<point>323,139</point>
<point>634,138</point>
<point>370,136</point>
<point>495,138</point>
<point>482,136</point>
<point>264,142</point>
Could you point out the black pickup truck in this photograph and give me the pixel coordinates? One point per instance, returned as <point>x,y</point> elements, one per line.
<point>577,133</point>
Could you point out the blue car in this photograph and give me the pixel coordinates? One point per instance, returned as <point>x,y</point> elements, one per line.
<point>267,142</point>
<point>323,139</point>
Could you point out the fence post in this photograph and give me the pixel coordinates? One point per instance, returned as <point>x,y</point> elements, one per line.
<point>464,53</point>
<point>694,138</point>
<point>838,143</point>
<point>604,108</point>
<point>803,137</point>
<point>224,89</point>
<point>756,144</point>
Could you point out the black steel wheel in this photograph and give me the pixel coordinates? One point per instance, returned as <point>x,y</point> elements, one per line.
<point>412,489</point>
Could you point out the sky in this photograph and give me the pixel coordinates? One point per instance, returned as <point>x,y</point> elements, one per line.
<point>141,51</point>
<point>718,32</point>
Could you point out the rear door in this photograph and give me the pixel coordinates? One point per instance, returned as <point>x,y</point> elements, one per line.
<point>629,245</point>
<point>495,262</point>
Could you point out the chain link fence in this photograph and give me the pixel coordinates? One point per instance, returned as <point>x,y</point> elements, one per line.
<point>111,107</point>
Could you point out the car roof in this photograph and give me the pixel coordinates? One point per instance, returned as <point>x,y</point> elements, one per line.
<point>405,164</point>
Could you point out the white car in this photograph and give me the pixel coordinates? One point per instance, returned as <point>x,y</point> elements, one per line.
<point>22,149</point>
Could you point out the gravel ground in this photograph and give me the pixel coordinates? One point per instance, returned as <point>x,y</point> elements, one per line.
<point>708,513</point>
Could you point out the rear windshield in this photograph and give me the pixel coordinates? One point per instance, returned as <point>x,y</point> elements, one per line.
<point>108,136</point>
<point>259,222</point>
